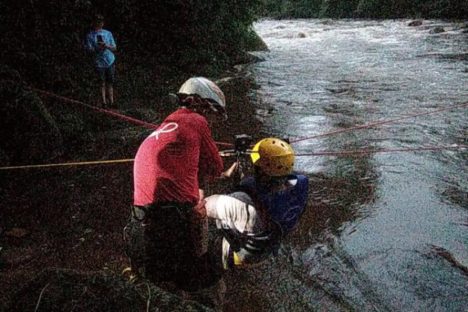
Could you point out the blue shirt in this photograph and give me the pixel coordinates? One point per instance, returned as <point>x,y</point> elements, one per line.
<point>104,58</point>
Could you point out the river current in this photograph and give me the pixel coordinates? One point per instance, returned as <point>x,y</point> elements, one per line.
<point>383,231</point>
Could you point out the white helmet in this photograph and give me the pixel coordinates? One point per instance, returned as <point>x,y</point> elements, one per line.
<point>206,89</point>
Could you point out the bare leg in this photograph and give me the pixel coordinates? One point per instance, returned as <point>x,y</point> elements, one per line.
<point>110,92</point>
<point>103,94</point>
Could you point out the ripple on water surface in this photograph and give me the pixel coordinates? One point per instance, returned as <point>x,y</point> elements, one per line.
<point>377,216</point>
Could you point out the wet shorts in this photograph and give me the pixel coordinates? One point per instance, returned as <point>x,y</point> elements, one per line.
<point>106,75</point>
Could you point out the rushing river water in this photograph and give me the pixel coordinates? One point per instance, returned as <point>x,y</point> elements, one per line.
<point>383,231</point>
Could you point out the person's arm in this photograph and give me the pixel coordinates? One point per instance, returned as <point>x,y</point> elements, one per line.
<point>228,173</point>
<point>90,44</point>
<point>210,163</point>
<point>111,45</point>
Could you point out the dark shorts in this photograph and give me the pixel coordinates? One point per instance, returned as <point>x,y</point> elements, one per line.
<point>164,247</point>
<point>106,75</point>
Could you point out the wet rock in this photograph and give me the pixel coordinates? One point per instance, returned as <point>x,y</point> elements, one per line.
<point>228,83</point>
<point>442,252</point>
<point>437,30</point>
<point>280,27</point>
<point>327,22</point>
<point>285,102</point>
<point>415,23</point>
<point>301,35</point>
<point>239,67</point>
<point>249,58</point>
<point>338,90</point>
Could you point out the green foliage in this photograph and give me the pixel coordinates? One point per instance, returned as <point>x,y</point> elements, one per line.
<point>365,8</point>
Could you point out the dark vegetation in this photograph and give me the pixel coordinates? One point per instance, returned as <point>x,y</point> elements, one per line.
<point>457,9</point>
<point>68,290</point>
<point>72,217</point>
<point>160,44</point>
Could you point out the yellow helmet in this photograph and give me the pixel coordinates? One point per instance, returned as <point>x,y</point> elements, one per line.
<point>274,156</point>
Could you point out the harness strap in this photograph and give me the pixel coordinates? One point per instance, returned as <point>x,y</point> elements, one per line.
<point>140,213</point>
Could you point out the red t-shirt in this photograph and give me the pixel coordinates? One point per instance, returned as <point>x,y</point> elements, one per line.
<point>170,160</point>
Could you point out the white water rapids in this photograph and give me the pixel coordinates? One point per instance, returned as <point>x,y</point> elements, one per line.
<point>397,239</point>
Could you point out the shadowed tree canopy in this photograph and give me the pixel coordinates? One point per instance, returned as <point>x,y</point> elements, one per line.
<point>41,35</point>
<point>159,44</point>
<point>366,8</point>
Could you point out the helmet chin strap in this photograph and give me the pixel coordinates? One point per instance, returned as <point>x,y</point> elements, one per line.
<point>275,183</point>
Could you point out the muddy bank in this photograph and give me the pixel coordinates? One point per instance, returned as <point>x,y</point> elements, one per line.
<point>69,290</point>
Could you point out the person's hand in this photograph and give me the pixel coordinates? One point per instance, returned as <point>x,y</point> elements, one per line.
<point>228,173</point>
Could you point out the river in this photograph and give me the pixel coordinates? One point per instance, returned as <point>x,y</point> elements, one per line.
<point>383,231</point>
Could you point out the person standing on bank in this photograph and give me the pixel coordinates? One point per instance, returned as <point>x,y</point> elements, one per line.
<point>101,42</point>
<point>167,237</point>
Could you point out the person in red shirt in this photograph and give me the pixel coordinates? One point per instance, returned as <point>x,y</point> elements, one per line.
<point>167,237</point>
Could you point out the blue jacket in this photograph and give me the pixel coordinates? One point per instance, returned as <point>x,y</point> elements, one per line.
<point>283,207</point>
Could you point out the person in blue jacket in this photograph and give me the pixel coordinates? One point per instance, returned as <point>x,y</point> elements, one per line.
<point>264,209</point>
<point>101,42</point>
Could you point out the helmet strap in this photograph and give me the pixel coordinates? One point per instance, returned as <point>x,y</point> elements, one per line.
<point>200,105</point>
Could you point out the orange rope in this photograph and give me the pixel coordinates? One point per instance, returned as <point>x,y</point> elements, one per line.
<point>96,162</point>
<point>324,153</point>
